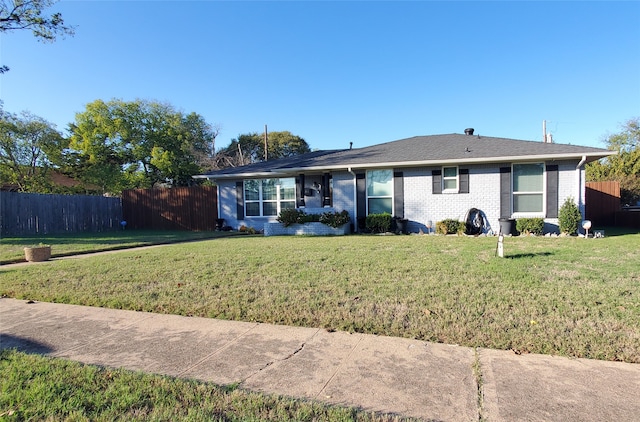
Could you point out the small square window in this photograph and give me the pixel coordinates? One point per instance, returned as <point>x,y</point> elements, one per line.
<point>450,179</point>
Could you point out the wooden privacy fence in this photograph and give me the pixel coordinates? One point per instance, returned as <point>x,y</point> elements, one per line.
<point>602,201</point>
<point>186,208</point>
<point>24,214</point>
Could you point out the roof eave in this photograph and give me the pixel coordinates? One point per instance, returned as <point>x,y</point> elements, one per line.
<point>282,172</point>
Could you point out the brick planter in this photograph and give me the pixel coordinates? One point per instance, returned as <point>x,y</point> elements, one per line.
<point>310,229</point>
<point>37,253</point>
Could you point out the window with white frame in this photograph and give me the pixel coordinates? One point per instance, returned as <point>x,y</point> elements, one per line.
<point>528,188</point>
<point>379,191</point>
<point>450,180</point>
<point>267,197</point>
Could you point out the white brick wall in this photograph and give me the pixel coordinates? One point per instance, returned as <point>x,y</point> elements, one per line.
<point>420,205</point>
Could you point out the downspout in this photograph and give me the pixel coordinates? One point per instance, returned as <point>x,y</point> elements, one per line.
<point>579,186</point>
<point>218,199</point>
<point>355,199</point>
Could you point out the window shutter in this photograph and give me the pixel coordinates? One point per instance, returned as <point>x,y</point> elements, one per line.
<point>300,191</point>
<point>240,200</point>
<point>505,192</point>
<point>463,177</point>
<point>398,194</point>
<point>552,191</point>
<point>436,178</point>
<point>361,194</point>
<point>327,199</point>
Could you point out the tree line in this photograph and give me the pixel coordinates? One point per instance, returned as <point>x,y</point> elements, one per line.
<point>116,145</point>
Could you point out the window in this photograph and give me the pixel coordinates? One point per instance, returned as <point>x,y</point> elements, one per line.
<point>379,191</point>
<point>267,197</point>
<point>450,179</point>
<point>528,188</point>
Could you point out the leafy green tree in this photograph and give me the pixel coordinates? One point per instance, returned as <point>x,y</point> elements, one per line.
<point>27,145</point>
<point>139,144</point>
<point>249,148</point>
<point>623,167</point>
<point>30,15</point>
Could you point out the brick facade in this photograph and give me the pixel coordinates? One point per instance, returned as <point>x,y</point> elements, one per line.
<point>420,204</point>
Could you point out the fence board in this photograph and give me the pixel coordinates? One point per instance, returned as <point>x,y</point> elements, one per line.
<point>602,201</point>
<point>185,208</point>
<point>23,214</point>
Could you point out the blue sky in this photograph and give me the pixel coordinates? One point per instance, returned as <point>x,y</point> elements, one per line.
<point>339,72</point>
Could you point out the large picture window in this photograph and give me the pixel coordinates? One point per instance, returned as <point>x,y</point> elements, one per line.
<point>379,191</point>
<point>267,197</point>
<point>528,188</point>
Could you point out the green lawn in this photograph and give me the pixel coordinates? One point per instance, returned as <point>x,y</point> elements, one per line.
<point>562,296</point>
<point>11,248</point>
<point>44,389</point>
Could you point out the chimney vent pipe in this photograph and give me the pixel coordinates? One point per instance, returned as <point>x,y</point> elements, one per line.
<point>468,131</point>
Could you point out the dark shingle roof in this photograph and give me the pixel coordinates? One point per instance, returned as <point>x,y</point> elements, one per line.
<point>419,150</point>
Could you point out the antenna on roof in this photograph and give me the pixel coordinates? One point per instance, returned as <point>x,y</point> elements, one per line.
<point>265,143</point>
<point>547,138</point>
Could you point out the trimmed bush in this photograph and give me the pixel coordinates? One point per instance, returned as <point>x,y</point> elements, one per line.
<point>378,223</point>
<point>335,219</point>
<point>569,217</point>
<point>530,226</point>
<point>450,226</point>
<point>294,216</point>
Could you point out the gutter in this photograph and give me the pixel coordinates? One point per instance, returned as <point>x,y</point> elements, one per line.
<point>579,185</point>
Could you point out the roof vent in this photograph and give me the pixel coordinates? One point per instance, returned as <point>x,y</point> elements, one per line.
<point>468,131</point>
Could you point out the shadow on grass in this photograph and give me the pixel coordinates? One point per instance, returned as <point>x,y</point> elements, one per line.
<point>528,255</point>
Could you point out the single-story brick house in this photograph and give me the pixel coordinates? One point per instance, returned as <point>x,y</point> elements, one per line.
<point>421,179</point>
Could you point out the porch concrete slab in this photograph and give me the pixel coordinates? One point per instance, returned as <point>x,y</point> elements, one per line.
<point>549,388</point>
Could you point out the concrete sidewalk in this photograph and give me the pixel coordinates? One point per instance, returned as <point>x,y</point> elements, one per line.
<point>385,374</point>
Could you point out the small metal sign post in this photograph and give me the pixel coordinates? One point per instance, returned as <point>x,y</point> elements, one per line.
<point>500,247</point>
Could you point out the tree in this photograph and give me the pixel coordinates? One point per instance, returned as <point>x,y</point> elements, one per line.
<point>29,14</point>
<point>249,148</point>
<point>139,144</point>
<point>623,167</point>
<point>27,143</point>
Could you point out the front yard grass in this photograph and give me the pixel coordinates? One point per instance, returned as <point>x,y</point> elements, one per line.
<point>11,248</point>
<point>562,296</point>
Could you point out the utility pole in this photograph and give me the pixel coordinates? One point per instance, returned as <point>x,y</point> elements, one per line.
<point>544,131</point>
<point>265,143</point>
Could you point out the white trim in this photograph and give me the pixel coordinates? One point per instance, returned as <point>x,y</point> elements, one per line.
<point>457,178</point>
<point>261,201</point>
<point>366,190</point>
<point>530,214</point>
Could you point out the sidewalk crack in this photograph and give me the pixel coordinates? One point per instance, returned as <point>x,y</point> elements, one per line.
<point>477,372</point>
<point>289,356</point>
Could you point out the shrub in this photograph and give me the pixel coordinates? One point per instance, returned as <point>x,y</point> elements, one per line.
<point>450,226</point>
<point>569,217</point>
<point>335,219</point>
<point>294,216</point>
<point>378,223</point>
<point>530,225</point>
